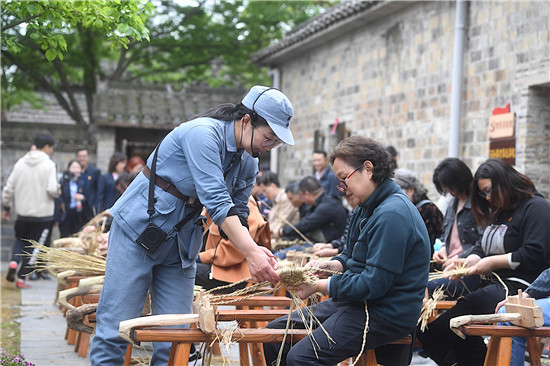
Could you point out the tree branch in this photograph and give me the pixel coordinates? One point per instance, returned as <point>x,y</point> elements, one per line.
<point>44,83</point>
<point>77,115</point>
<point>15,24</point>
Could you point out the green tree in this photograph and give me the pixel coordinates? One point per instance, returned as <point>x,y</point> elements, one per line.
<point>38,35</point>
<point>65,46</point>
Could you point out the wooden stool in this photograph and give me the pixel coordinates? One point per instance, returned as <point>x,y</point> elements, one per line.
<point>500,346</point>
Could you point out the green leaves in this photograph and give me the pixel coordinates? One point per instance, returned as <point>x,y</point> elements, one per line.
<point>118,20</point>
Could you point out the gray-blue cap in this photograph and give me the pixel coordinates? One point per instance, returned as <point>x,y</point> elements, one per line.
<point>273,106</point>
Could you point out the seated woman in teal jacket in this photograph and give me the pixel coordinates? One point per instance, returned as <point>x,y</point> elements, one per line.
<point>385,267</point>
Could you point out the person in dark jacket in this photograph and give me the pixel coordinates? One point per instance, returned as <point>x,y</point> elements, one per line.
<point>384,269</point>
<point>107,192</point>
<point>324,173</point>
<point>88,179</point>
<point>418,194</point>
<point>515,247</point>
<point>460,230</point>
<point>71,204</point>
<point>325,221</point>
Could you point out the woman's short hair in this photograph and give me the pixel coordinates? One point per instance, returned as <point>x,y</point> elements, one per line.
<point>116,158</point>
<point>406,179</point>
<point>508,188</point>
<point>453,174</point>
<point>355,150</point>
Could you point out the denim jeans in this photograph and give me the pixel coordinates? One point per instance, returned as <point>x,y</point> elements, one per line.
<point>130,273</point>
<point>518,343</point>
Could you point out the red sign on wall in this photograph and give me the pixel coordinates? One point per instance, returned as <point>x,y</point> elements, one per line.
<point>502,135</point>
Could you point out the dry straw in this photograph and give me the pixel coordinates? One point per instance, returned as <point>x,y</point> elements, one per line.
<point>59,259</point>
<point>428,308</point>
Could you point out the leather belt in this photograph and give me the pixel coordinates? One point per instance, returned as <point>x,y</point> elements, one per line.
<point>168,187</point>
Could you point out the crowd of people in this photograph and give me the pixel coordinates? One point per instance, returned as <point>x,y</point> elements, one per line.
<point>202,211</point>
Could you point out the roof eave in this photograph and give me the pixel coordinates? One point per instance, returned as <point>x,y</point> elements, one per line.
<point>275,54</point>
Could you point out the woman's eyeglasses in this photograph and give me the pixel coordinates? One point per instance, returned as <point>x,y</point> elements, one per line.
<point>486,193</point>
<point>342,186</point>
<point>268,141</point>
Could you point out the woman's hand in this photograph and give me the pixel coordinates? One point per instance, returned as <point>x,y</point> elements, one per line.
<point>489,264</point>
<point>320,246</point>
<point>78,197</point>
<point>440,256</point>
<point>263,265</point>
<point>334,266</point>
<point>305,290</point>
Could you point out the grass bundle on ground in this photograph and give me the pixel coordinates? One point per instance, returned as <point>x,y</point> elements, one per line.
<point>59,259</point>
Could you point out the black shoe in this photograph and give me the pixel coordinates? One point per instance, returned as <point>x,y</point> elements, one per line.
<point>195,356</point>
<point>12,269</point>
<point>44,275</point>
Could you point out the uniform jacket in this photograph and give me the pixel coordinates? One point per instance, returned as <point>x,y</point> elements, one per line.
<point>33,186</point>
<point>194,157</point>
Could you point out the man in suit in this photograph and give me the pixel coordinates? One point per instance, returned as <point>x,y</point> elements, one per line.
<point>88,181</point>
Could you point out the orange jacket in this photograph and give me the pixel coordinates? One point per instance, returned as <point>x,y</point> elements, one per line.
<point>228,263</point>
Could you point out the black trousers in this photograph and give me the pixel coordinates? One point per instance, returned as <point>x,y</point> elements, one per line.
<point>202,278</point>
<point>39,231</point>
<point>72,223</point>
<point>345,323</point>
<point>444,346</point>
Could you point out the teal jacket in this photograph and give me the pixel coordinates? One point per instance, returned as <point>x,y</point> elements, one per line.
<point>387,257</point>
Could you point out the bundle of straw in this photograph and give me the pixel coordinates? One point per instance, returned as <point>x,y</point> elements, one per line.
<point>58,259</point>
<point>429,307</point>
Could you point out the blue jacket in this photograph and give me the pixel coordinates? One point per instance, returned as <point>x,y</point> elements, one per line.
<point>107,192</point>
<point>194,158</point>
<point>387,257</point>
<point>89,179</point>
<point>329,182</point>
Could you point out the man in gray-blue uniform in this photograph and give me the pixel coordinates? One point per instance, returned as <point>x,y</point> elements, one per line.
<point>156,233</point>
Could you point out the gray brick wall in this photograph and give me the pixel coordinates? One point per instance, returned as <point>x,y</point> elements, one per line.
<point>390,79</point>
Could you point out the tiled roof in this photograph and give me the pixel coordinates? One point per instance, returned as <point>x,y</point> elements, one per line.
<point>330,18</point>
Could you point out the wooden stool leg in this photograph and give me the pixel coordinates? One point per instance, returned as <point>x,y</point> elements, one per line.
<point>243,354</point>
<point>535,350</point>
<point>128,355</point>
<point>83,344</point>
<point>498,351</point>
<point>179,354</point>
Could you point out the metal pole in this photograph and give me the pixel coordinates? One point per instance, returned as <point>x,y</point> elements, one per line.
<point>457,77</point>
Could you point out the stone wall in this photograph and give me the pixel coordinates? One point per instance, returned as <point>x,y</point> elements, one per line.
<point>390,79</point>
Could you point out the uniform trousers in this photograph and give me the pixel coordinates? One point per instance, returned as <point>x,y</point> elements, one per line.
<point>131,271</point>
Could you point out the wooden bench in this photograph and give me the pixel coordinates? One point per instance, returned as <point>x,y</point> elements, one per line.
<point>181,340</point>
<point>500,345</point>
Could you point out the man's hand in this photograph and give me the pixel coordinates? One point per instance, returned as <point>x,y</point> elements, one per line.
<point>6,214</point>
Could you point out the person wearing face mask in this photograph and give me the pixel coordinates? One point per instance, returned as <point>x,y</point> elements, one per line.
<point>156,233</point>
<point>384,267</point>
<point>72,203</point>
<point>513,252</point>
<point>460,230</point>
